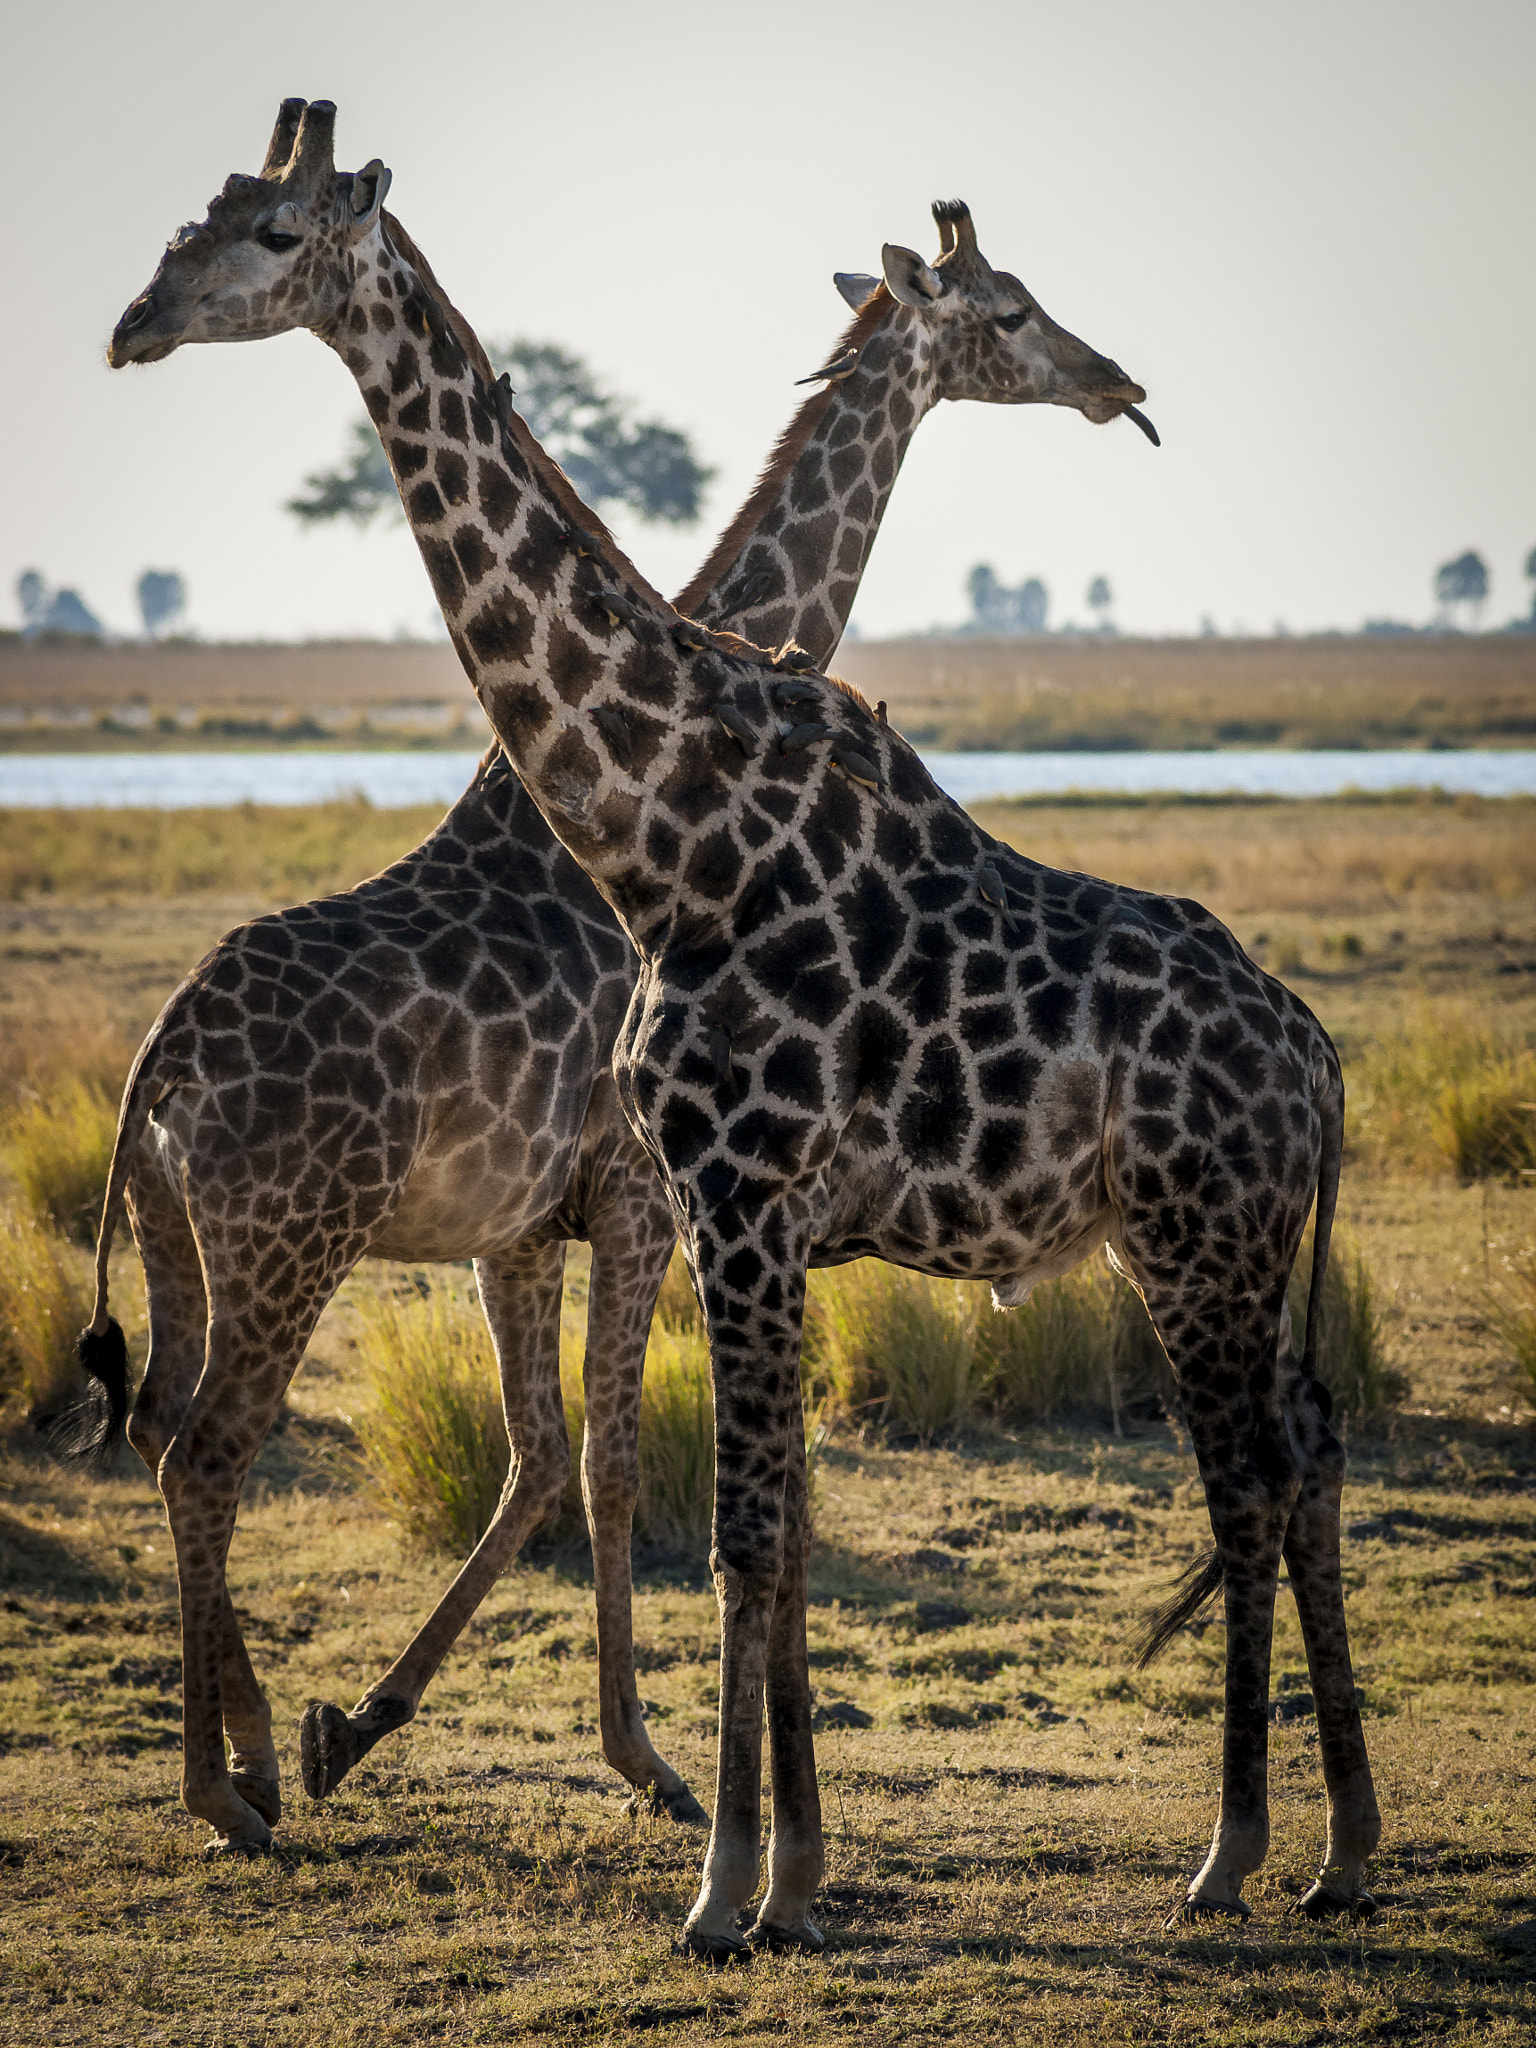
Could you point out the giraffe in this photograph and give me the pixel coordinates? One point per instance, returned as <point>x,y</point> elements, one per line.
<point>860,1028</point>
<point>457,1154</point>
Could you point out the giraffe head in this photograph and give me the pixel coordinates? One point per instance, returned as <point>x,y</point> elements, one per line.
<point>987,337</point>
<point>275,252</point>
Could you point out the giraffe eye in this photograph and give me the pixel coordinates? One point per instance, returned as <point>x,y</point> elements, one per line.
<point>275,239</point>
<point>1010,323</point>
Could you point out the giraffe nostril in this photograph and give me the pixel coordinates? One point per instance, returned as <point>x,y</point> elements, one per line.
<point>140,311</point>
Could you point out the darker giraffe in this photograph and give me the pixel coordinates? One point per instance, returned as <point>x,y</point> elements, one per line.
<point>861,1027</point>
<point>417,1068</point>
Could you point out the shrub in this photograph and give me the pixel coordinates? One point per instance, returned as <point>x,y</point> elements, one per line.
<point>1351,1360</point>
<point>44,1304</point>
<point>57,1148</point>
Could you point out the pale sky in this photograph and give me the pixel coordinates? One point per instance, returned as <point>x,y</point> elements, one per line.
<point>1307,230</point>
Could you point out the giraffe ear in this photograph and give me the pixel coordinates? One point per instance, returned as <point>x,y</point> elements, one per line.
<point>908,276</point>
<point>368,189</point>
<point>856,287</point>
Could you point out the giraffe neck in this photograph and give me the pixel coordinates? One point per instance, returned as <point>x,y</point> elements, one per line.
<point>604,704</point>
<point>789,565</point>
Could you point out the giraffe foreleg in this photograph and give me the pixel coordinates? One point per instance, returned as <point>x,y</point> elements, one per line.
<point>520,1292</point>
<point>754,1297</point>
<point>1312,1560</point>
<point>796,1854</point>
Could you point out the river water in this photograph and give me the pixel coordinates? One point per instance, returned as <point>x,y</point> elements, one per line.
<point>179,781</point>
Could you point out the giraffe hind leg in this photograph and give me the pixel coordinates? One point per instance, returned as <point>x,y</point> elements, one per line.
<point>178,1341</point>
<point>1223,1357</point>
<point>1312,1560</point>
<point>521,1293</point>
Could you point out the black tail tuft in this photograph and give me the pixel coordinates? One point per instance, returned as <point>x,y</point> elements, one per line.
<point>89,1432</point>
<point>1197,1587</point>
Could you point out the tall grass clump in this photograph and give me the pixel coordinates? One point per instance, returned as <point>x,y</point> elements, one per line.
<point>893,1348</point>
<point>1449,1087</point>
<point>1082,1342</point>
<point>1509,1307</point>
<point>434,1442</point>
<point>44,1304</point>
<point>57,1148</point>
<point>677,1437</point>
<point>1351,1356</point>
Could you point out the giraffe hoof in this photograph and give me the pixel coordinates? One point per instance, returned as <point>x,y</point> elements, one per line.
<point>264,1794</point>
<point>678,1805</point>
<point>1193,1909</point>
<point>328,1748</point>
<point>253,1840</point>
<point>719,1951</point>
<point>1319,1904</point>
<point>805,1939</point>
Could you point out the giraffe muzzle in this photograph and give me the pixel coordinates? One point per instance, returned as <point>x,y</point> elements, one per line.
<point>133,340</point>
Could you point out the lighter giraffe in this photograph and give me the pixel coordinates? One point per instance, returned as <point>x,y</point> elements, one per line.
<point>860,1027</point>
<point>497,1135</point>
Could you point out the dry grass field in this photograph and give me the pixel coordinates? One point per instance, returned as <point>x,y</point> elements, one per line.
<point>1074,693</point>
<point>1009,1830</point>
<point>1331,691</point>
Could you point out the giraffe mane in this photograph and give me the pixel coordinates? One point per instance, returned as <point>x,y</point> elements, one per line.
<point>543,465</point>
<point>725,641</point>
<point>786,453</point>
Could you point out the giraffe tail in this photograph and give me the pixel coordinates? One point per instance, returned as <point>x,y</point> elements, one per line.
<point>1196,1589</point>
<point>89,1431</point>
<point>1331,1110</point>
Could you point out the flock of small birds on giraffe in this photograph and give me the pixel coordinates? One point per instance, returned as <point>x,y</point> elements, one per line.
<point>704,958</point>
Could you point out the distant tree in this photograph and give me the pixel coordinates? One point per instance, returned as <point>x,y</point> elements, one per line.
<point>1031,603</point>
<point>611,457</point>
<point>162,598</point>
<point>1100,598</point>
<point>69,613</point>
<point>1530,570</point>
<point>54,611</point>
<point>1462,582</point>
<point>997,609</point>
<point>985,593</point>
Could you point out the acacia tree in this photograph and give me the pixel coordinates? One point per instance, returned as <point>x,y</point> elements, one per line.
<point>1462,582</point>
<point>1100,598</point>
<point>1530,570</point>
<point>610,456</point>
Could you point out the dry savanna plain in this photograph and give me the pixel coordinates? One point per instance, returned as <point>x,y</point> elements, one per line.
<point>1012,1808</point>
